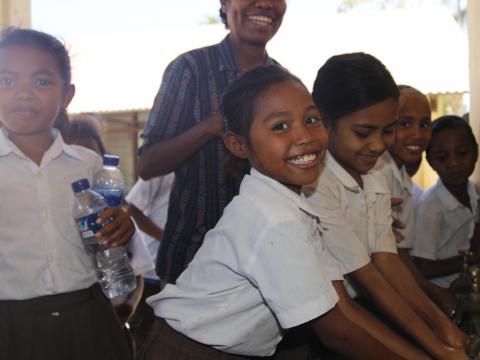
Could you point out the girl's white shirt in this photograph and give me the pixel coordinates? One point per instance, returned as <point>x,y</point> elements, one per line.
<point>358,221</point>
<point>262,269</point>
<point>41,250</point>
<point>400,184</point>
<point>444,226</point>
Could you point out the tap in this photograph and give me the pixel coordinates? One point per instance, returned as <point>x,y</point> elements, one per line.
<point>474,347</point>
<point>467,316</point>
<point>462,285</point>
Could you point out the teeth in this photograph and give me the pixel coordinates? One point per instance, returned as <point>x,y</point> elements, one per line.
<point>262,19</point>
<point>303,159</point>
<point>413,147</point>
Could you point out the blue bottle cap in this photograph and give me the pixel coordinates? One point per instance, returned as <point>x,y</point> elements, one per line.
<point>80,185</point>
<point>111,160</point>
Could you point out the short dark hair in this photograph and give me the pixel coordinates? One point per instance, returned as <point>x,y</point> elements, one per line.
<point>450,122</point>
<point>347,83</point>
<point>12,36</point>
<point>85,126</point>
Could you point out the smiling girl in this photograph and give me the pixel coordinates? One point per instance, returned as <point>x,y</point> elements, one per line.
<point>358,99</point>
<point>263,268</point>
<point>50,303</point>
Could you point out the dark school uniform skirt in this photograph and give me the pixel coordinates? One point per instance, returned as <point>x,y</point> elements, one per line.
<point>165,343</point>
<point>80,325</point>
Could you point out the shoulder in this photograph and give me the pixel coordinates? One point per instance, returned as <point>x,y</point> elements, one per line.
<point>326,185</point>
<point>193,59</point>
<point>83,154</point>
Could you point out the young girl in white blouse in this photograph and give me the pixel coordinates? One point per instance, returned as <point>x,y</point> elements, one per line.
<point>264,268</point>
<point>447,215</point>
<point>51,306</point>
<point>358,99</point>
<point>412,136</point>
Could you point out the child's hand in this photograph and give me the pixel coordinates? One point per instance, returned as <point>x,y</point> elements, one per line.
<point>452,354</point>
<point>452,335</point>
<point>118,228</point>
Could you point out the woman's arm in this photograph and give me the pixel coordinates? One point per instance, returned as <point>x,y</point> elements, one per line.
<point>393,305</point>
<point>374,327</point>
<point>402,280</point>
<point>166,156</point>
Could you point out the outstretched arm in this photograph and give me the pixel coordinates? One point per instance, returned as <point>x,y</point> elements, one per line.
<point>393,305</point>
<point>343,336</point>
<point>402,280</point>
<point>375,328</point>
<point>444,298</point>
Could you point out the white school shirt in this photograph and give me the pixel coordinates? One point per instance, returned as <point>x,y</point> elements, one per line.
<point>263,268</point>
<point>400,185</point>
<point>151,197</point>
<point>444,226</point>
<point>417,192</point>
<point>41,252</point>
<point>358,221</point>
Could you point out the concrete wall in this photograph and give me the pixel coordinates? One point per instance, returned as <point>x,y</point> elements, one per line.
<point>15,13</point>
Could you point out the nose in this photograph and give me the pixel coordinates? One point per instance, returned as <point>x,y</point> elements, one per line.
<point>453,161</point>
<point>24,91</point>
<point>264,4</point>
<point>302,135</point>
<point>377,145</point>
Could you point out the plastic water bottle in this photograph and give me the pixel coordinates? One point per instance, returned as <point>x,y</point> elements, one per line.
<point>112,266</point>
<point>109,182</point>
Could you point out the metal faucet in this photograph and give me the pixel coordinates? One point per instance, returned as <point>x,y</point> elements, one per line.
<point>467,316</point>
<point>462,286</point>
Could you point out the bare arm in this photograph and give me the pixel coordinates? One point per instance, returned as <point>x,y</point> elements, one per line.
<point>374,327</point>
<point>402,280</point>
<point>144,223</point>
<point>344,337</point>
<point>389,301</point>
<point>167,156</point>
<point>444,298</point>
<point>436,268</point>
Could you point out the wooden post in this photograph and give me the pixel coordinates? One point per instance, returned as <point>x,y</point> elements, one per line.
<point>15,13</point>
<point>473,11</point>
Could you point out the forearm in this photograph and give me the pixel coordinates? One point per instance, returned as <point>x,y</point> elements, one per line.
<point>167,156</point>
<point>436,268</point>
<point>395,307</point>
<point>375,328</point>
<point>144,223</point>
<point>346,338</point>
<point>402,280</point>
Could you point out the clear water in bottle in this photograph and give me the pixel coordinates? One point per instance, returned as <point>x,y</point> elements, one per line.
<point>109,181</point>
<point>112,265</point>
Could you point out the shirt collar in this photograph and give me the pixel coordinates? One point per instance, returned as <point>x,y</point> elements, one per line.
<point>451,203</point>
<point>227,56</point>
<point>298,199</point>
<point>400,175</point>
<point>347,180</point>
<point>56,149</point>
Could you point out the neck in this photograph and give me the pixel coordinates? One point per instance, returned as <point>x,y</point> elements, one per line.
<point>397,160</point>
<point>248,56</point>
<point>33,146</point>
<point>460,192</point>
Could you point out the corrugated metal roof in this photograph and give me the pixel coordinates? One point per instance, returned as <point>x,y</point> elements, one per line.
<point>422,47</point>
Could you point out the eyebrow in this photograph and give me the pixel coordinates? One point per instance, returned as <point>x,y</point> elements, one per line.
<point>273,115</point>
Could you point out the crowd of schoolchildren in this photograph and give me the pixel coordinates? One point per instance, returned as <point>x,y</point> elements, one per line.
<point>286,222</point>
